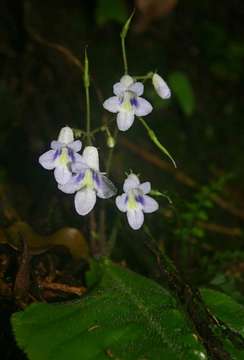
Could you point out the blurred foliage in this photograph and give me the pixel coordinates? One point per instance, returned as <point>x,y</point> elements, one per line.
<point>197,210</point>
<point>183,91</point>
<point>108,10</point>
<point>225,272</point>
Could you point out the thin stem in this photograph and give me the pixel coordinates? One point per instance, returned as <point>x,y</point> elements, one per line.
<point>124,55</point>
<point>88,116</point>
<point>113,237</point>
<point>144,77</point>
<point>86,80</point>
<point>111,151</point>
<point>123,37</point>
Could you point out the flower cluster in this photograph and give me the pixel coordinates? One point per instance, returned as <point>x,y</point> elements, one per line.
<point>80,174</point>
<point>77,174</point>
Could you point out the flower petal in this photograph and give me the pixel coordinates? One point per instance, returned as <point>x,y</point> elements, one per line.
<point>56,145</point>
<point>150,205</point>
<point>137,88</point>
<point>135,218</point>
<point>90,157</point>
<point>75,145</point>
<point>72,185</point>
<point>126,81</point>
<point>125,120</point>
<point>66,135</point>
<point>77,158</point>
<point>85,201</point>
<point>105,188</point>
<point>143,107</point>
<point>112,104</point>
<point>79,165</point>
<point>131,182</point>
<point>118,89</point>
<point>121,202</point>
<point>145,187</point>
<point>62,174</point>
<point>47,160</point>
<point>161,87</point>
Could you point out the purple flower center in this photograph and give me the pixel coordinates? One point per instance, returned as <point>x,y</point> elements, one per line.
<point>140,199</point>
<point>71,154</point>
<point>134,101</point>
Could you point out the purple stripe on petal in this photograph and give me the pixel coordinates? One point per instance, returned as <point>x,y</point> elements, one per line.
<point>56,154</point>
<point>126,199</point>
<point>140,199</point>
<point>121,99</point>
<point>134,101</point>
<point>71,154</point>
<point>79,177</point>
<point>96,178</point>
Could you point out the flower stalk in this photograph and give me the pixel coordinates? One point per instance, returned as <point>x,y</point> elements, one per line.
<point>123,37</point>
<point>86,80</point>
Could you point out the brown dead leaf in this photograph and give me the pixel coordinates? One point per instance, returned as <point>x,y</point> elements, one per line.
<point>69,237</point>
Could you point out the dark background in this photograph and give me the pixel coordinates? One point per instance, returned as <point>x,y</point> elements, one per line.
<point>198,47</point>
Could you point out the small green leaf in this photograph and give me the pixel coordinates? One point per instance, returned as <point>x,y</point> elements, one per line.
<point>155,140</point>
<point>126,26</point>
<point>183,91</point>
<point>197,232</point>
<point>155,192</point>
<point>86,71</point>
<point>108,10</point>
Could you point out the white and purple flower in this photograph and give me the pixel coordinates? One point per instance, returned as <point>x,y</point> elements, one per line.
<point>135,201</point>
<point>62,156</point>
<point>88,182</point>
<point>127,102</point>
<point>161,87</point>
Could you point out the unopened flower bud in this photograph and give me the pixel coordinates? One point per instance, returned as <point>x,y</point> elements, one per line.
<point>161,87</point>
<point>110,142</point>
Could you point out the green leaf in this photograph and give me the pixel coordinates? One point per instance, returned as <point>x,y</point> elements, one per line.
<point>231,313</point>
<point>183,91</point>
<point>111,10</point>
<point>94,274</point>
<point>125,317</point>
<point>155,140</point>
<point>225,308</point>
<point>86,71</point>
<point>126,26</point>
<point>155,192</point>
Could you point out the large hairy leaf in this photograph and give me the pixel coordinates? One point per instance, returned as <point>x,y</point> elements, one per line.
<point>125,316</point>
